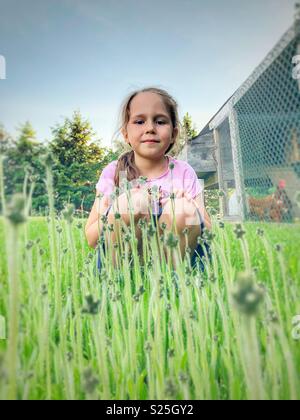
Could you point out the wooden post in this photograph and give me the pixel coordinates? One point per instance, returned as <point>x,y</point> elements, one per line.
<point>237,162</point>
<point>220,173</point>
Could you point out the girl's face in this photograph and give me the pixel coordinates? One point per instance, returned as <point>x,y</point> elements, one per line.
<point>149,120</point>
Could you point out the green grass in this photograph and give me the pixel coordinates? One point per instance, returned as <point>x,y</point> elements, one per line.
<point>148,332</point>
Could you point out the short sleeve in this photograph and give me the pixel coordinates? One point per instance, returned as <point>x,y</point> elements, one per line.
<point>106,184</point>
<point>192,185</point>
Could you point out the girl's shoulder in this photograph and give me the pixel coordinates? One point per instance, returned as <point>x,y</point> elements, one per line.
<point>181,165</point>
<point>110,168</point>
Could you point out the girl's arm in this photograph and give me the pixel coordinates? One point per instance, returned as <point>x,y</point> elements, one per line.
<point>198,201</point>
<point>94,224</point>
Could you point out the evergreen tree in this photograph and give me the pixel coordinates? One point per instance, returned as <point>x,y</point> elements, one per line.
<point>189,131</point>
<point>79,160</point>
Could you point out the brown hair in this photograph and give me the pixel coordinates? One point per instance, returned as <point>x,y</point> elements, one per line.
<point>126,160</point>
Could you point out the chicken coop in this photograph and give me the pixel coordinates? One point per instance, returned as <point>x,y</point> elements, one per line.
<point>256,135</point>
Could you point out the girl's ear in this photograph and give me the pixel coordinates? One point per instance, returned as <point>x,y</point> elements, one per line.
<point>124,133</point>
<point>175,133</point>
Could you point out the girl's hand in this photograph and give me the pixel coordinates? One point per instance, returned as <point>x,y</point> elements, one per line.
<point>178,194</point>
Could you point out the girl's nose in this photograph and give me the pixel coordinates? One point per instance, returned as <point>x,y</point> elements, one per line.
<point>150,127</point>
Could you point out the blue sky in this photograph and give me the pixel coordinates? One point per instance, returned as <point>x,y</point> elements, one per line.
<point>90,54</point>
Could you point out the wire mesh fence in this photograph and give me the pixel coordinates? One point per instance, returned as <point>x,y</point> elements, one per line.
<point>258,138</point>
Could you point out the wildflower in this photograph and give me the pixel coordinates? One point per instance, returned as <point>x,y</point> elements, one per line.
<point>44,290</point>
<point>273,317</point>
<point>212,278</point>
<point>183,377</point>
<point>141,290</point>
<point>104,219</point>
<point>142,223</point>
<point>136,297</point>
<point>92,306</point>
<point>175,277</point>
<point>200,241</point>
<point>116,297</point>
<point>163,226</point>
<point>90,381</point>
<point>118,216</point>
<point>170,388</point>
<point>192,315</point>
<point>172,240</point>
<point>111,228</point>
<point>151,231</point>
<point>188,250</point>
<point>188,271</point>
<point>239,231</point>
<point>142,180</point>
<point>101,241</point>
<point>208,236</point>
<point>29,245</point>
<point>247,296</point>
<point>15,210</point>
<point>171,353</point>
<point>127,238</point>
<point>260,232</point>
<point>70,356</point>
<point>148,347</point>
<point>68,213</point>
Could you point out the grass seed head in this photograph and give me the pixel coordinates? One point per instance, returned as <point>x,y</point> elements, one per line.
<point>239,231</point>
<point>260,232</point>
<point>172,240</point>
<point>247,296</point>
<point>68,213</point>
<point>15,211</point>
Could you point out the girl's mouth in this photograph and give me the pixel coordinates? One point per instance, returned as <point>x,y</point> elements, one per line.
<point>150,142</point>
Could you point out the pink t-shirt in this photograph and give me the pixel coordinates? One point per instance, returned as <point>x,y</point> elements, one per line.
<point>183,175</point>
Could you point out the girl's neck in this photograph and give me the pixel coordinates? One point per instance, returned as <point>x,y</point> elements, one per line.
<point>151,168</point>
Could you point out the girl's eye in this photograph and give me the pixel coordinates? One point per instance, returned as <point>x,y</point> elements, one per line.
<point>160,121</point>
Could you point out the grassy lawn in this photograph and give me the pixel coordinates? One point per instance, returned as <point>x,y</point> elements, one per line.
<point>149,332</point>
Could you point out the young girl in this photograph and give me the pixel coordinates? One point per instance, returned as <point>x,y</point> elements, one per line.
<point>151,127</point>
